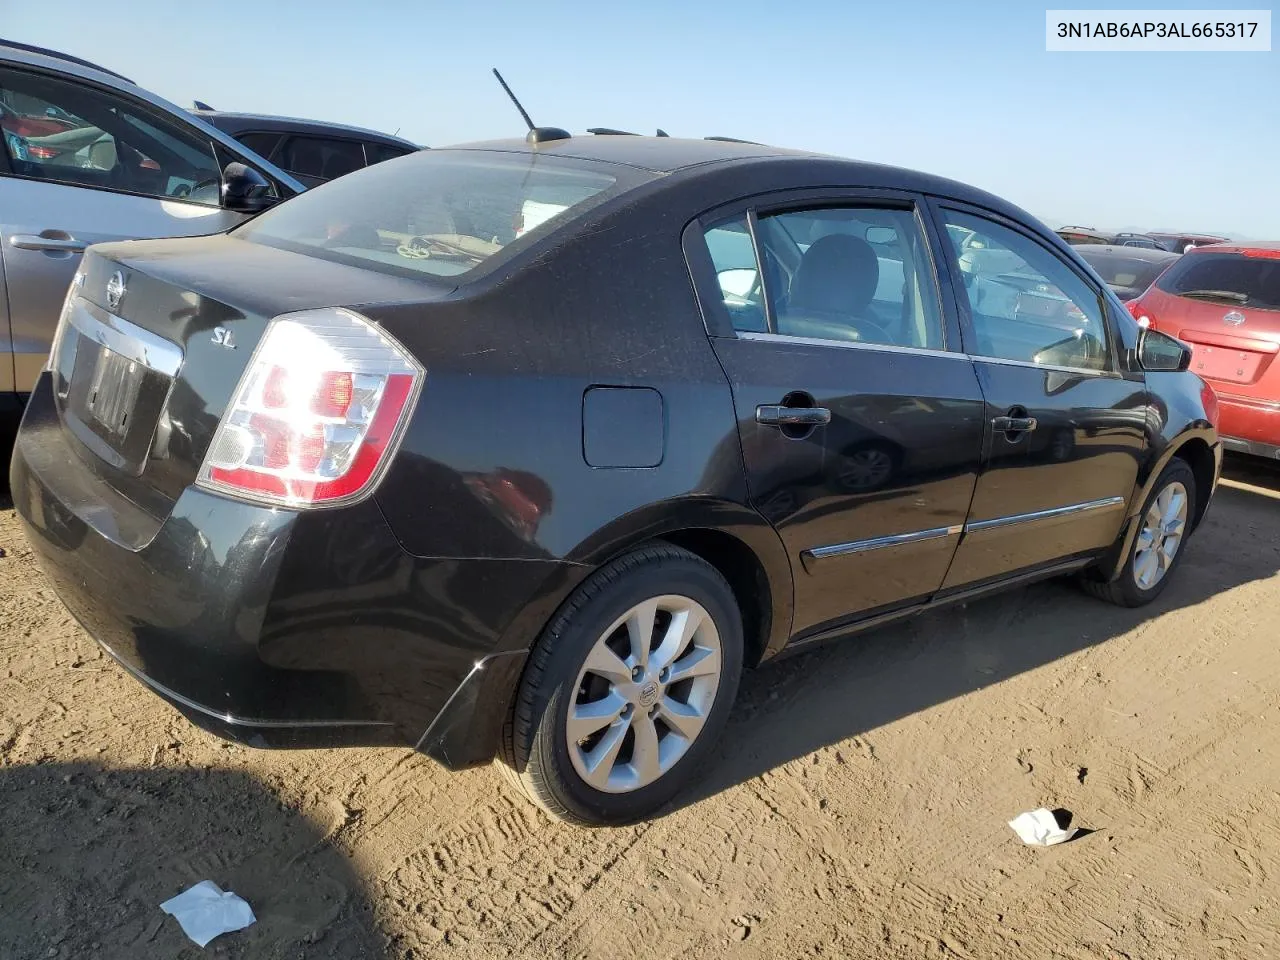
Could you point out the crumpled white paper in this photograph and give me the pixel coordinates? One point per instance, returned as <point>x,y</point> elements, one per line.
<point>1039,828</point>
<point>205,911</point>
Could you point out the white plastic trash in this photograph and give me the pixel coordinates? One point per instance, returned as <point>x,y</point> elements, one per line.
<point>1039,828</point>
<point>206,911</point>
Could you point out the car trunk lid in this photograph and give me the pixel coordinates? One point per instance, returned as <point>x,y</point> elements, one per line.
<point>158,337</point>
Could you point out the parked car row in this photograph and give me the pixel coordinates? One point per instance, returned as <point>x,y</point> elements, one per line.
<point>1173,242</point>
<point>88,156</point>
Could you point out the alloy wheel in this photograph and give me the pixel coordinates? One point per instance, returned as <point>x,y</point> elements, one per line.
<point>1163,529</point>
<point>643,694</point>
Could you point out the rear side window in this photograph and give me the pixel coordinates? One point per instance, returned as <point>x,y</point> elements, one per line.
<point>377,152</point>
<point>1226,278</point>
<point>841,273</point>
<point>321,157</point>
<point>438,213</point>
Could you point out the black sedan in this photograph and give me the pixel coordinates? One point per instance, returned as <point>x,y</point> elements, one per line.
<point>526,449</point>
<point>1128,271</point>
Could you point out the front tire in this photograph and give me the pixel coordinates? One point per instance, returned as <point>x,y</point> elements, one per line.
<point>627,690</point>
<point>1164,524</point>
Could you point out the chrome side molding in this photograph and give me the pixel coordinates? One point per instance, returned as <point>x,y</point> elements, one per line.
<point>936,533</point>
<point>1106,503</point>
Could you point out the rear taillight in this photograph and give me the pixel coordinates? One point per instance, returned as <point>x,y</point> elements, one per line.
<point>1140,312</point>
<point>73,291</point>
<point>317,415</point>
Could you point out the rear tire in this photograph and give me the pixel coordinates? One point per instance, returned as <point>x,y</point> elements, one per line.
<point>1167,513</point>
<point>627,690</point>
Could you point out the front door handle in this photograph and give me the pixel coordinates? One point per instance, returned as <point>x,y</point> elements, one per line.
<point>1013,424</point>
<point>775,415</point>
<point>30,241</point>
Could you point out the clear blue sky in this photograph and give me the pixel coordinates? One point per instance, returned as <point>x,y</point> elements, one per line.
<point>965,90</point>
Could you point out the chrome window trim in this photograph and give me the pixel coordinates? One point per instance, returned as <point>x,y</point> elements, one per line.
<point>1105,503</point>
<point>922,352</point>
<point>851,345</point>
<point>1054,368</point>
<point>876,543</point>
<point>127,339</point>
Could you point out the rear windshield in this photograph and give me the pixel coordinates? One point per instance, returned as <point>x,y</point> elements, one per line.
<point>1248,281</point>
<point>1124,271</point>
<point>436,212</point>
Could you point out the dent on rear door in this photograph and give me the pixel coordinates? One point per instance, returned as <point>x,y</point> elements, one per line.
<point>37,280</point>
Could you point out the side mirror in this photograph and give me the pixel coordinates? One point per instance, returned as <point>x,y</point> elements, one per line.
<point>1159,352</point>
<point>244,189</point>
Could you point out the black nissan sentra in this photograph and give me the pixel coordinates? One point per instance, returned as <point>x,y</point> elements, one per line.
<point>526,449</point>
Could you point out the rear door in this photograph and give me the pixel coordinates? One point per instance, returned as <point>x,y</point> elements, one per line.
<point>860,420</point>
<point>118,169</point>
<point>1065,425</point>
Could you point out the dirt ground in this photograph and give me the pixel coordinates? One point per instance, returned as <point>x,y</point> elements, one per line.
<point>857,806</point>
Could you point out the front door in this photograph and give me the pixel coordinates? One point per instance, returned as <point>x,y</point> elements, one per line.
<point>1065,425</point>
<point>861,422</point>
<point>83,164</point>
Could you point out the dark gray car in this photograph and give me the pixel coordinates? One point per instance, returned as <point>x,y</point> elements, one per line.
<point>312,151</point>
<point>1127,270</point>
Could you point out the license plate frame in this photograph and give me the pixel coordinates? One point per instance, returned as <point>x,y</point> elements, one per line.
<point>1224,364</point>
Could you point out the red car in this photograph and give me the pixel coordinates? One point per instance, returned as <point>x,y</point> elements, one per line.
<point>1224,300</point>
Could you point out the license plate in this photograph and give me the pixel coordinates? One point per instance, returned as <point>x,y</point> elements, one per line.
<point>113,391</point>
<point>1228,366</point>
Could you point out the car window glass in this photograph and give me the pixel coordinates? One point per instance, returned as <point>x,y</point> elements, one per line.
<point>260,143</point>
<point>852,273</point>
<point>734,258</point>
<point>321,157</point>
<point>69,133</point>
<point>1026,304</point>
<point>439,212</point>
<point>377,152</point>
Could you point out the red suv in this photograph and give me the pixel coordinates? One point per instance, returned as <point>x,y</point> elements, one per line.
<point>1224,301</point>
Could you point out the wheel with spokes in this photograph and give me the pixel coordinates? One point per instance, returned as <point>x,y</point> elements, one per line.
<point>628,689</point>
<point>1164,524</point>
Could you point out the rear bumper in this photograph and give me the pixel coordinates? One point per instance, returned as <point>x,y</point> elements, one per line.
<point>282,629</point>
<point>1249,425</point>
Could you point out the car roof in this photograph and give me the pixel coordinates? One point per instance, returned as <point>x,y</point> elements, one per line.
<point>1128,253</point>
<point>668,155</point>
<point>655,154</point>
<point>269,123</point>
<point>56,63</point>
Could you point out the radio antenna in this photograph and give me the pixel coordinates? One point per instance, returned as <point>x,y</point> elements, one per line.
<point>535,135</point>
<point>524,113</point>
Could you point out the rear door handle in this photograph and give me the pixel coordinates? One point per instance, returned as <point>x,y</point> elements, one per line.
<point>774,415</point>
<point>1013,424</point>
<point>30,241</point>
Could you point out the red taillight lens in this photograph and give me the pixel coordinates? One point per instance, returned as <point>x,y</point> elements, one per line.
<point>41,153</point>
<point>1140,312</point>
<point>317,414</point>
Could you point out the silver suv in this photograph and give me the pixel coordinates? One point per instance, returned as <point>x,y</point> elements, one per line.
<point>87,157</point>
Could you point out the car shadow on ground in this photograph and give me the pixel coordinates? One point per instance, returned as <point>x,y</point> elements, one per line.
<point>791,708</point>
<point>87,854</point>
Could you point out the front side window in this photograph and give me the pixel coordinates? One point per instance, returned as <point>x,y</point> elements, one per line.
<point>1025,303</point>
<point>69,133</point>
<point>260,143</point>
<point>857,274</point>
<point>437,213</point>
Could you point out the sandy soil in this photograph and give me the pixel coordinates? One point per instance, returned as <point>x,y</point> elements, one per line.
<point>857,807</point>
